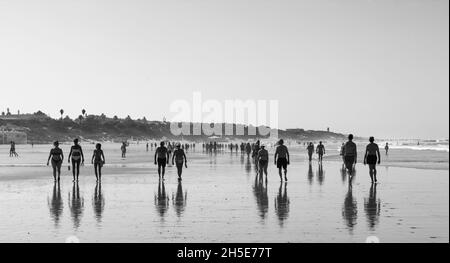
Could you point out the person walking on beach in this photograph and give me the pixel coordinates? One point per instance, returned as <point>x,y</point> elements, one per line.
<point>98,159</point>
<point>263,160</point>
<point>161,159</point>
<point>77,157</point>
<point>12,150</point>
<point>320,150</point>
<point>372,157</point>
<point>248,149</point>
<point>123,148</point>
<point>282,159</point>
<point>57,156</point>
<point>310,150</point>
<point>386,148</point>
<point>146,147</point>
<point>180,158</point>
<point>350,154</point>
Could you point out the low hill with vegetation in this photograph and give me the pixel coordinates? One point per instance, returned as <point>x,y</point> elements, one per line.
<point>41,128</point>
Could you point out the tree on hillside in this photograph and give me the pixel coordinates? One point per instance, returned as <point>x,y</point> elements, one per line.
<point>80,118</point>
<point>83,111</point>
<point>62,113</point>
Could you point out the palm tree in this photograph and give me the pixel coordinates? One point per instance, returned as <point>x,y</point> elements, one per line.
<point>62,113</point>
<point>83,112</point>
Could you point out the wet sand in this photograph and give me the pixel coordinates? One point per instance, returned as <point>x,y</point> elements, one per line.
<point>220,200</point>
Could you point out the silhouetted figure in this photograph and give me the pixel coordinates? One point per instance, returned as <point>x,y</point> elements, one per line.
<point>179,202</point>
<point>77,157</point>
<point>56,204</point>
<point>386,148</point>
<point>262,198</point>
<point>12,150</point>
<point>180,158</point>
<point>372,207</point>
<point>310,150</point>
<point>350,154</point>
<point>161,159</point>
<point>123,149</point>
<point>162,199</point>
<point>248,149</point>
<point>320,174</point>
<point>98,201</point>
<point>56,156</point>
<point>350,209</point>
<point>320,150</point>
<point>76,205</point>
<point>282,159</point>
<point>98,159</point>
<point>372,157</point>
<point>282,203</point>
<point>263,160</point>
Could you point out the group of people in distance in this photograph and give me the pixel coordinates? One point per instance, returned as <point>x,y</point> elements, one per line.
<point>163,155</point>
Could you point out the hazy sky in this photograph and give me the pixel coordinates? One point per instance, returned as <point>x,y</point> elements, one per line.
<point>369,67</point>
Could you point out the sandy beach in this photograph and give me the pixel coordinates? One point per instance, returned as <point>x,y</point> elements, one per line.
<point>219,200</point>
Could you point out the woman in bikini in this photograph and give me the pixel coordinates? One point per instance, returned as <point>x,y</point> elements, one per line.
<point>98,159</point>
<point>77,157</point>
<point>57,157</point>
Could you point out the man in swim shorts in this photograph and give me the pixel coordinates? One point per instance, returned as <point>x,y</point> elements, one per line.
<point>179,156</point>
<point>320,150</point>
<point>372,157</point>
<point>350,154</point>
<point>161,159</point>
<point>282,159</point>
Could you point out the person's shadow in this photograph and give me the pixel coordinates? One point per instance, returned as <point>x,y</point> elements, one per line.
<point>350,209</point>
<point>179,201</point>
<point>262,198</point>
<point>56,204</point>
<point>76,205</point>
<point>320,174</point>
<point>161,200</point>
<point>98,202</point>
<point>310,174</point>
<point>343,174</point>
<point>372,207</point>
<point>282,204</point>
<point>248,166</point>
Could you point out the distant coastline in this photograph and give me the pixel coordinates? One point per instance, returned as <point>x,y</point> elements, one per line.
<point>40,128</point>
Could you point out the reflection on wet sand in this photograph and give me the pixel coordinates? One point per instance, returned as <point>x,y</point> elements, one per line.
<point>98,202</point>
<point>56,204</point>
<point>162,200</point>
<point>76,205</point>
<point>343,174</point>
<point>179,201</point>
<point>282,204</point>
<point>320,174</point>
<point>262,199</point>
<point>248,166</point>
<point>310,174</point>
<point>372,207</point>
<point>350,209</point>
